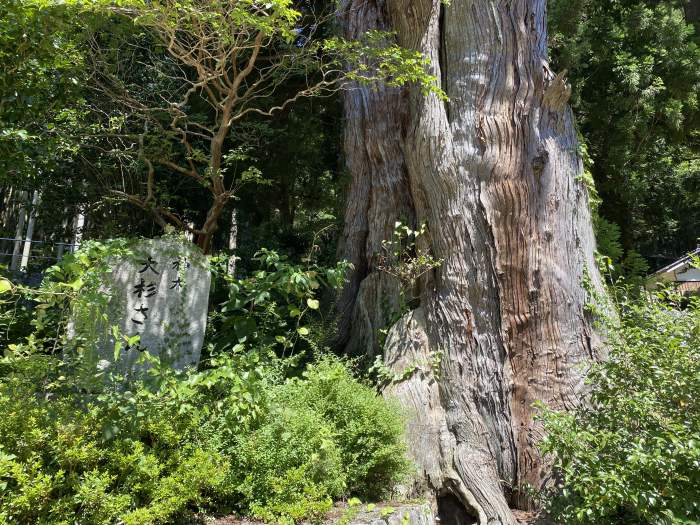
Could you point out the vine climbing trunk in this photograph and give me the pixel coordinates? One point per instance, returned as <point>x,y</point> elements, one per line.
<point>494,172</point>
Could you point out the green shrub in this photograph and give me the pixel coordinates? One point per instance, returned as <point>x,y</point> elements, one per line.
<point>233,436</point>
<point>291,466</point>
<point>275,306</point>
<point>66,458</point>
<point>633,454</point>
<point>325,435</point>
<point>15,312</point>
<point>368,428</point>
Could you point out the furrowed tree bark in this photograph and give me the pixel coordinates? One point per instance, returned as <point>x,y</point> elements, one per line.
<point>495,174</point>
<point>378,196</point>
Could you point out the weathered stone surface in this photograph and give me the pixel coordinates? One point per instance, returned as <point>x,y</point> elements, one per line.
<point>407,514</point>
<point>160,292</point>
<point>399,514</point>
<point>380,514</point>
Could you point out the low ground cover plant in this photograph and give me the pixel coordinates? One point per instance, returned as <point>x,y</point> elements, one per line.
<point>235,437</point>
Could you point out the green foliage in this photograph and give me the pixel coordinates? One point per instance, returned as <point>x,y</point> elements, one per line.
<point>404,258</point>
<point>242,433</point>
<point>62,461</point>
<point>366,427</point>
<point>272,307</point>
<point>291,465</point>
<point>298,152</point>
<point>376,58</point>
<point>15,313</point>
<point>40,77</point>
<point>633,454</point>
<point>385,376</point>
<point>234,435</point>
<point>634,67</point>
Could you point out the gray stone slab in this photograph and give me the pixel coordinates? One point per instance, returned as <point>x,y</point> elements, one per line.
<point>160,292</point>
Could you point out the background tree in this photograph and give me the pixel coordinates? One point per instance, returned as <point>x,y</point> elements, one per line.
<point>635,72</point>
<point>222,61</point>
<point>299,153</point>
<point>215,64</point>
<point>39,82</point>
<point>76,145</point>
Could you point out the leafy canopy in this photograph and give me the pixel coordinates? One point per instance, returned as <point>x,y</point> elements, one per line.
<point>634,67</point>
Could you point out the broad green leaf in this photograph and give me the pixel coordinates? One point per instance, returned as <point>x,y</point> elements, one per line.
<point>5,286</point>
<point>313,304</point>
<point>294,312</point>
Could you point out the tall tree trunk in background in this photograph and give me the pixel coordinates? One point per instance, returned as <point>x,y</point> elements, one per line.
<point>6,218</point>
<point>6,211</point>
<point>692,10</point>
<point>494,175</point>
<point>27,249</point>
<point>78,230</point>
<point>19,231</point>
<point>232,243</point>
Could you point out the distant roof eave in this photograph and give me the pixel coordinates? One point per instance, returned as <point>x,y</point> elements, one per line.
<point>679,263</point>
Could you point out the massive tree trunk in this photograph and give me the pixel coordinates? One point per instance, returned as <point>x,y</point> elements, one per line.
<point>494,173</point>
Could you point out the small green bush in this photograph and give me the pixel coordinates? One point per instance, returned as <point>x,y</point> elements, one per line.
<point>234,436</point>
<point>66,458</point>
<point>326,436</point>
<point>291,466</point>
<point>633,454</point>
<point>368,429</point>
<point>276,306</point>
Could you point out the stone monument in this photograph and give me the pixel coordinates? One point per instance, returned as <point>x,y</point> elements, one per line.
<point>159,292</point>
